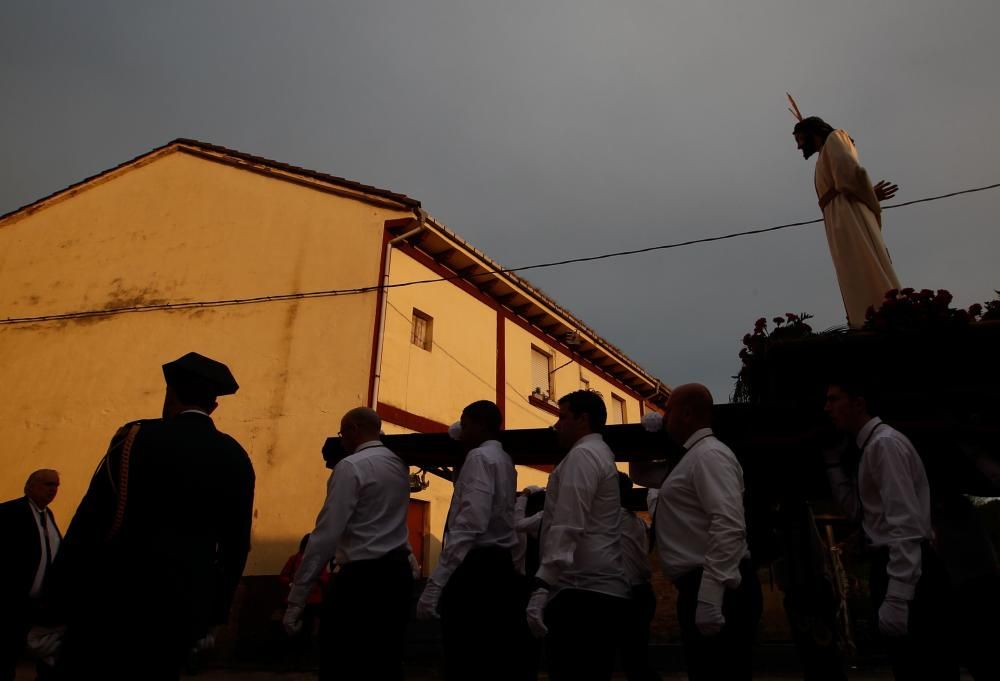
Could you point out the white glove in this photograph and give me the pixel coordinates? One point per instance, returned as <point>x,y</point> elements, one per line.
<point>44,642</point>
<point>894,616</point>
<point>708,618</point>
<point>207,642</point>
<point>428,604</point>
<point>292,620</point>
<point>536,613</point>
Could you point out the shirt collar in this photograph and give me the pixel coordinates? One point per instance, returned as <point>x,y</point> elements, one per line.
<point>196,411</point>
<point>589,437</point>
<point>35,507</point>
<point>867,430</point>
<point>371,444</point>
<point>699,434</point>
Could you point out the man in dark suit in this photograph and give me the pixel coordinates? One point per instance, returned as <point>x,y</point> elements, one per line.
<point>30,539</point>
<point>156,549</point>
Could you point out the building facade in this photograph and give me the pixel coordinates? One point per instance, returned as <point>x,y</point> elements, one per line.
<point>303,283</point>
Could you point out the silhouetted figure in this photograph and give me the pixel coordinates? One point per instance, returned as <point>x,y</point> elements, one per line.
<point>475,588</point>
<point>581,591</point>
<point>363,525</point>
<point>702,539</point>
<point>30,541</point>
<point>924,620</point>
<point>154,554</point>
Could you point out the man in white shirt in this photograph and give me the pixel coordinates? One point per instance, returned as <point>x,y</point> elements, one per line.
<point>581,590</point>
<point>363,525</point>
<point>31,540</point>
<point>701,537</point>
<point>891,496</point>
<point>475,587</point>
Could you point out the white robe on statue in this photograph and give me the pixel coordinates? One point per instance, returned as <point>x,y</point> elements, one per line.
<point>853,228</point>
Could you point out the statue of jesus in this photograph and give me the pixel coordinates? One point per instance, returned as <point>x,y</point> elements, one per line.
<point>853,217</point>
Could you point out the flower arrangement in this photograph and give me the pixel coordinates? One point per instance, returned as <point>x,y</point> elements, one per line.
<point>791,326</point>
<point>908,309</point>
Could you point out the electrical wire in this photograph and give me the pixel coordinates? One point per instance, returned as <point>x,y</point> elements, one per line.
<point>329,293</point>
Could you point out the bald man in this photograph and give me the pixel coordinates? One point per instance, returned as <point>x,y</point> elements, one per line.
<point>363,525</point>
<point>30,540</point>
<point>701,537</point>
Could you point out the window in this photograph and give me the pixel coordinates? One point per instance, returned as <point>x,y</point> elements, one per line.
<point>541,374</point>
<point>617,415</point>
<point>423,330</point>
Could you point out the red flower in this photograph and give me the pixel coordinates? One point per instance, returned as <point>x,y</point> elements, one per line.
<point>779,320</point>
<point>907,292</point>
<point>976,310</point>
<point>891,294</point>
<point>760,324</point>
<point>747,339</point>
<point>791,317</point>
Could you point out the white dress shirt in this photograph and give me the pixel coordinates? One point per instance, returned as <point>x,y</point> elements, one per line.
<point>894,498</point>
<point>635,549</point>
<point>581,522</point>
<point>482,508</point>
<point>53,537</point>
<point>699,514</point>
<point>363,517</point>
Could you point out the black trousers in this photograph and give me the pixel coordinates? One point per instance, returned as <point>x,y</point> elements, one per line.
<point>482,618</point>
<point>727,656</point>
<point>583,637</point>
<point>633,636</point>
<point>362,631</point>
<point>949,626</point>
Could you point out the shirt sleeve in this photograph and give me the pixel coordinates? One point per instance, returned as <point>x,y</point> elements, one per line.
<point>468,517</point>
<point>849,177</point>
<point>718,483</point>
<point>890,467</point>
<point>578,481</point>
<point>341,500</point>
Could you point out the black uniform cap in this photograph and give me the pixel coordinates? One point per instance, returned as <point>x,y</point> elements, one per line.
<point>199,374</point>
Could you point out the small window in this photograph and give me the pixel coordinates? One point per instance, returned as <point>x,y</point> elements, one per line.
<point>541,374</point>
<point>423,330</point>
<point>618,416</point>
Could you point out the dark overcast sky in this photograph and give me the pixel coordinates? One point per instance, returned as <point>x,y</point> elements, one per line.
<point>544,130</point>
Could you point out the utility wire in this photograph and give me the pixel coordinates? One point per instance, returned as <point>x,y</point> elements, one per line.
<point>329,293</point>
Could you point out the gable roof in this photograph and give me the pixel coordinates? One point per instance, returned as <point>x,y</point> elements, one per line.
<point>439,243</point>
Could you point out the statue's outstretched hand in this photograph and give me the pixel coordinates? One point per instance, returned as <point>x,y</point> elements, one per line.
<point>885,190</point>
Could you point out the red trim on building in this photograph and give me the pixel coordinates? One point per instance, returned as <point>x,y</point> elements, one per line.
<point>379,295</point>
<point>405,419</point>
<point>502,366</point>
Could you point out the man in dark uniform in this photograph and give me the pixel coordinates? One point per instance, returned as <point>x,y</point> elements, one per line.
<point>156,549</point>
<point>30,541</point>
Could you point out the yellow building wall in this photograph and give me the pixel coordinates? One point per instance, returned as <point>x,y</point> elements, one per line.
<point>460,367</point>
<point>180,228</point>
<point>565,379</point>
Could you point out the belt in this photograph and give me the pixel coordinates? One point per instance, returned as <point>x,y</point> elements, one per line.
<point>825,200</point>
